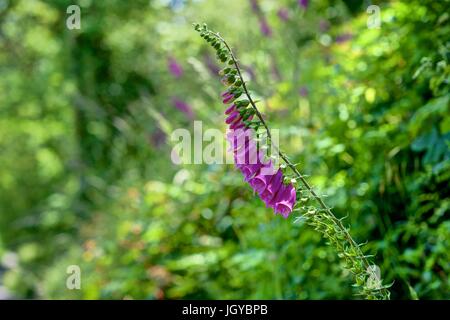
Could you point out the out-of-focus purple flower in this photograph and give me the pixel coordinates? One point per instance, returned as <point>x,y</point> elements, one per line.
<point>343,37</point>
<point>174,67</point>
<point>323,25</point>
<point>183,107</point>
<point>255,5</point>
<point>283,14</point>
<point>275,71</point>
<point>303,3</point>
<point>303,91</point>
<point>263,25</point>
<point>158,138</point>
<point>211,65</point>
<point>265,28</point>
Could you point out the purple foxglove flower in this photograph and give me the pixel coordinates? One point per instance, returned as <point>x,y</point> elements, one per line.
<point>228,98</point>
<point>265,28</point>
<point>233,116</point>
<point>237,125</point>
<point>260,181</point>
<point>238,139</point>
<point>255,165</point>
<point>286,201</point>
<point>303,3</point>
<point>249,171</point>
<point>283,14</point>
<point>230,109</point>
<point>243,155</point>
<point>174,67</point>
<point>239,134</point>
<point>244,152</point>
<point>183,107</point>
<point>272,187</point>
<point>225,94</point>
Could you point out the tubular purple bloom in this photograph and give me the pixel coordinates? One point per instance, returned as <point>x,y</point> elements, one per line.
<point>261,175</point>
<point>174,67</point>
<point>225,94</point>
<point>260,181</point>
<point>286,201</point>
<point>249,171</point>
<point>229,98</point>
<point>230,109</point>
<point>268,194</point>
<point>238,140</point>
<point>283,14</point>
<point>183,107</point>
<point>303,3</point>
<point>243,154</point>
<point>233,116</point>
<point>238,135</point>
<point>237,125</point>
<point>265,28</point>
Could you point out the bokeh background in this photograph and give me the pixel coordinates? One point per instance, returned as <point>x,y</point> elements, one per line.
<point>86,176</point>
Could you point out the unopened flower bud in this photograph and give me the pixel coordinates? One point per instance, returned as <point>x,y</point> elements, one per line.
<point>242,103</point>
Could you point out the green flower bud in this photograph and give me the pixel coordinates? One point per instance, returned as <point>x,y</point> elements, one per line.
<point>223,57</point>
<point>246,113</point>
<point>242,103</point>
<point>237,94</point>
<point>235,90</point>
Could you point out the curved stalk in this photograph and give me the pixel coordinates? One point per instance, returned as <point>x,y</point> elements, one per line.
<point>350,250</point>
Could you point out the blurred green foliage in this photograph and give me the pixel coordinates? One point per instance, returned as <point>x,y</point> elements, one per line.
<point>86,177</point>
